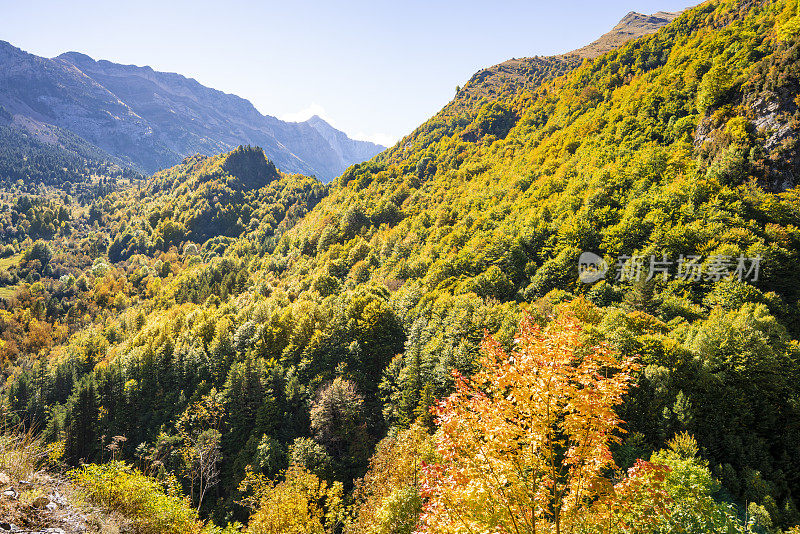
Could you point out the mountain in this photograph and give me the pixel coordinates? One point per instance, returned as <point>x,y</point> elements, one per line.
<point>632,26</point>
<point>526,73</point>
<point>303,333</point>
<point>510,78</point>
<point>34,153</point>
<point>152,120</point>
<point>348,151</point>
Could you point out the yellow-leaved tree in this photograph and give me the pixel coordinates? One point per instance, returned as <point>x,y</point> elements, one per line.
<point>525,441</point>
<point>300,504</point>
<point>387,500</point>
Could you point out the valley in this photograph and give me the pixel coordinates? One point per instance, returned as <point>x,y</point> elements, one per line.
<point>225,341</point>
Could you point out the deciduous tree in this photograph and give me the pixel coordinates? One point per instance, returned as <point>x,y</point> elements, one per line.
<point>525,442</point>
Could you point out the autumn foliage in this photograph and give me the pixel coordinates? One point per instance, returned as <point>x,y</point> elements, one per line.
<point>300,504</point>
<point>525,441</point>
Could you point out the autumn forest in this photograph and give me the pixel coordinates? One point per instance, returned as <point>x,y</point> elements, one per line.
<point>224,347</point>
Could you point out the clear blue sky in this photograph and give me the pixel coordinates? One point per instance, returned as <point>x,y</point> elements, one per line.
<point>374,69</point>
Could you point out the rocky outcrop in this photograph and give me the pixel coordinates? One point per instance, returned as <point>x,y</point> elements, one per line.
<point>772,117</point>
<point>777,119</point>
<point>41,505</point>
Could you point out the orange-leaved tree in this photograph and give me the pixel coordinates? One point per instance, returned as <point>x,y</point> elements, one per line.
<point>525,441</point>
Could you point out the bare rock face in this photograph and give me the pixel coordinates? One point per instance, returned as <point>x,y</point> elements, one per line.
<point>772,116</point>
<point>775,116</point>
<point>774,119</point>
<point>152,120</point>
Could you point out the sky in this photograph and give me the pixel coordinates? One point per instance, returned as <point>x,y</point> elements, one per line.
<point>372,68</point>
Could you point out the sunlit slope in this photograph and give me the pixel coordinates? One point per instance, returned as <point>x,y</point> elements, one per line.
<point>653,148</point>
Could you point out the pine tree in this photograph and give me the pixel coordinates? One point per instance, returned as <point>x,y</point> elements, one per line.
<point>81,428</point>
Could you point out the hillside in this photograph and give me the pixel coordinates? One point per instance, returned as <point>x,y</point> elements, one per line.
<point>316,357</point>
<point>33,154</point>
<point>474,110</point>
<point>210,200</point>
<point>632,26</point>
<point>525,74</point>
<point>152,120</point>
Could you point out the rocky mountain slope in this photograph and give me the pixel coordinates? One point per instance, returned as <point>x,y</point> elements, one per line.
<point>152,120</point>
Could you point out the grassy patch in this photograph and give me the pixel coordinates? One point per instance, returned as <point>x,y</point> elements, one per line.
<point>10,261</point>
<point>8,292</point>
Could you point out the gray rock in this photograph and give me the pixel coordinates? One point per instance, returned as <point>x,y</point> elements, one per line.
<point>57,498</point>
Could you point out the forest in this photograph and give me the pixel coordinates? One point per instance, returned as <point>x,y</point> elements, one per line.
<point>225,347</point>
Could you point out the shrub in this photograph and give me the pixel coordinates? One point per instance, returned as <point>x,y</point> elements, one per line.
<point>155,507</point>
<point>21,453</point>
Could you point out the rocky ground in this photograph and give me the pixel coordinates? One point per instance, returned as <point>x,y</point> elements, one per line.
<point>48,504</point>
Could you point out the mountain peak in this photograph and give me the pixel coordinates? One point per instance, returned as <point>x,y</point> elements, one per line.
<point>152,120</point>
<point>631,26</point>
<point>74,57</point>
<point>251,166</point>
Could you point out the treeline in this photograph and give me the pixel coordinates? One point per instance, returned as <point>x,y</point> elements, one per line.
<point>70,164</point>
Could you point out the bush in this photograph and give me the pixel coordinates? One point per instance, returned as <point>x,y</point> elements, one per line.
<point>154,507</point>
<point>400,512</point>
<point>21,453</point>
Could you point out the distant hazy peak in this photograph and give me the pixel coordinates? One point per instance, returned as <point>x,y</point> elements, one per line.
<point>632,26</point>
<point>151,120</point>
<point>174,80</point>
<point>316,119</point>
<point>75,57</point>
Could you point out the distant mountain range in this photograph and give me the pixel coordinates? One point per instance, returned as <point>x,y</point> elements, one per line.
<point>151,120</point>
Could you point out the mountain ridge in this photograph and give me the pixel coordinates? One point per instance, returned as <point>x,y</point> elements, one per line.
<point>518,75</point>
<point>631,26</point>
<point>152,119</point>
